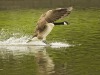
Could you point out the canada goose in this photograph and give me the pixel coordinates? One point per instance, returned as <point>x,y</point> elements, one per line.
<point>47,21</point>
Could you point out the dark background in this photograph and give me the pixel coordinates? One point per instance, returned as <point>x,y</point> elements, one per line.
<point>21,4</point>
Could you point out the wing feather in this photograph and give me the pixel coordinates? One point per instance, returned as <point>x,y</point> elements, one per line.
<point>55,14</point>
<point>51,16</point>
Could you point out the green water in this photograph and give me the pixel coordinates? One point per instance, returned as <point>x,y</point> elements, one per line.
<point>81,59</point>
<point>33,60</point>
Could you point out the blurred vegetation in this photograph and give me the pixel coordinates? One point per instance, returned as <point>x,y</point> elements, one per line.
<point>24,4</point>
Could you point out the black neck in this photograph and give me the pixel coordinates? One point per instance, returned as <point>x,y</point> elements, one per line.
<point>59,23</point>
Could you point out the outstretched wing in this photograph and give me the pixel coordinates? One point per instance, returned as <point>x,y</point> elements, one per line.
<point>55,14</point>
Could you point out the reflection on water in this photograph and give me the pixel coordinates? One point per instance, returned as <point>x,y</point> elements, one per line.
<point>41,60</point>
<point>25,59</point>
<point>45,63</point>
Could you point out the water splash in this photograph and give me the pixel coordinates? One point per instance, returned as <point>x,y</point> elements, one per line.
<point>59,44</point>
<point>22,41</point>
<point>18,39</point>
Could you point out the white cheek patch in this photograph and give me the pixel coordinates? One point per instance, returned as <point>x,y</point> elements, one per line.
<point>65,23</point>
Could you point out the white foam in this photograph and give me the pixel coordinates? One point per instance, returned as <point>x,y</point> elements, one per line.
<point>59,44</point>
<point>22,41</point>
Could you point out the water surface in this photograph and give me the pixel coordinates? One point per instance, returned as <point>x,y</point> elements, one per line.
<point>19,57</point>
<point>46,60</point>
<point>81,58</point>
